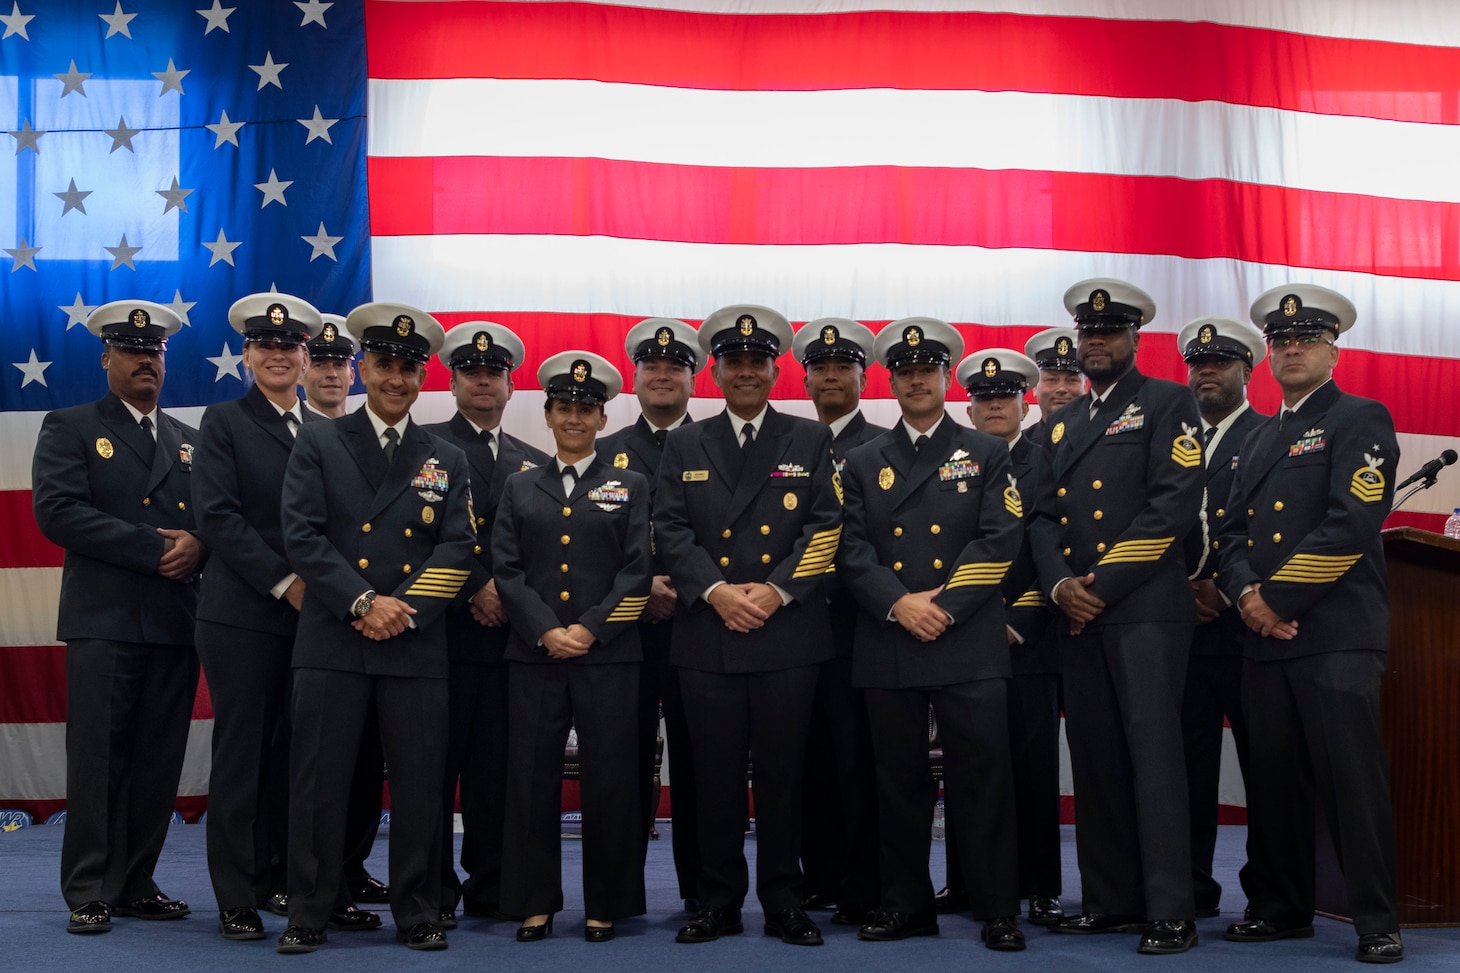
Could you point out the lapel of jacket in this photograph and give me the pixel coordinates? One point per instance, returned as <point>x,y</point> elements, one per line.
<point>722,450</point>
<point>268,417</point>
<point>1082,432</point>
<point>641,442</point>
<point>116,417</point>
<point>478,454</point>
<point>169,438</point>
<point>1021,458</point>
<point>415,448</point>
<point>550,482</point>
<point>358,436</point>
<point>1274,442</point>
<point>920,465</point>
<point>760,458</point>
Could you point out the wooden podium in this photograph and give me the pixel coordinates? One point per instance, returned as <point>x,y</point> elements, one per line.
<point>1420,716</point>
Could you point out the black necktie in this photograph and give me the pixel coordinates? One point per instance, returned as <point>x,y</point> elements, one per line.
<point>1094,406</point>
<point>391,439</point>
<point>1209,435</point>
<point>919,443</point>
<point>1283,419</point>
<point>660,435</point>
<point>146,425</point>
<point>292,421</point>
<point>747,433</point>
<point>570,477</point>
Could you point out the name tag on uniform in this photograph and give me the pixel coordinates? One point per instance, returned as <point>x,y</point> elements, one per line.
<point>695,476</point>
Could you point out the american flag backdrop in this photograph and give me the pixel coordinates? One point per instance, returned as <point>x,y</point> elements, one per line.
<point>567,169</point>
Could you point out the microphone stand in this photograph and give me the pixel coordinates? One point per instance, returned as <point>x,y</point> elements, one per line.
<point>1424,484</point>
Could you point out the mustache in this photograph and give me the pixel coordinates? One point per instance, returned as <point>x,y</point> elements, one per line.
<point>144,370</point>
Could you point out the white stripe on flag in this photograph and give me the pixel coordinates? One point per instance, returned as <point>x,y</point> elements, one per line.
<point>35,760</point>
<point>881,126</point>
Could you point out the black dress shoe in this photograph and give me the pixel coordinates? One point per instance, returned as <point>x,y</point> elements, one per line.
<point>278,904</point>
<point>1380,947</point>
<point>597,934</point>
<point>300,939</point>
<point>351,919</point>
<point>1166,936</point>
<point>1003,934</point>
<point>1088,923</point>
<point>709,925</point>
<point>949,901</point>
<point>812,902</point>
<point>156,906</point>
<point>535,933</point>
<point>851,915</point>
<point>423,936</point>
<point>793,926</point>
<point>1263,931</point>
<point>240,924</point>
<point>90,917</point>
<point>1045,909</point>
<point>887,925</point>
<point>369,890</point>
<point>448,919</point>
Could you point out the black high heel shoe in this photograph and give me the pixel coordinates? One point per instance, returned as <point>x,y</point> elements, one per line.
<point>598,934</point>
<point>535,934</point>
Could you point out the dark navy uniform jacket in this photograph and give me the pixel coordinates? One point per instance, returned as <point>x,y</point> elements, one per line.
<point>950,515</point>
<point>1225,634</point>
<point>1127,490</point>
<point>582,559</point>
<point>471,642</point>
<point>768,513</point>
<point>354,522</point>
<point>1027,607</point>
<point>238,478</point>
<point>1303,520</point>
<point>840,601</point>
<point>101,487</point>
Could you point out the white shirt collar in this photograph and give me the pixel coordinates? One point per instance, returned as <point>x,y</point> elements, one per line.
<point>137,415</point>
<point>673,425</point>
<point>1300,403</point>
<point>380,425</point>
<point>579,468</point>
<point>738,424</point>
<point>1222,428</point>
<point>913,434</point>
<point>837,425</point>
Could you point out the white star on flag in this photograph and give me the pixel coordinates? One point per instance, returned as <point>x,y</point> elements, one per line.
<point>176,196</point>
<point>227,363</point>
<point>222,250</point>
<point>171,78</point>
<point>227,131</point>
<point>217,17</point>
<point>179,306</point>
<point>25,254</point>
<point>313,11</point>
<point>268,72</point>
<point>72,80</point>
<point>122,254</point>
<point>319,127</point>
<point>15,22</point>
<point>77,312</point>
<point>117,23</point>
<point>27,138</point>
<point>323,244</point>
<point>34,371</point>
<point>273,190</point>
<point>73,198</point>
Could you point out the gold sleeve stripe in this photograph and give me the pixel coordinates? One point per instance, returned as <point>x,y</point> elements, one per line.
<point>448,572</point>
<point>979,574</point>
<point>1137,551</point>
<point>1315,568</point>
<point>425,592</point>
<point>434,586</point>
<point>819,553</point>
<point>1032,598</point>
<point>625,613</point>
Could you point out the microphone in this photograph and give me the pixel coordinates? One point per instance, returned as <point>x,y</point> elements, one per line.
<point>1428,471</point>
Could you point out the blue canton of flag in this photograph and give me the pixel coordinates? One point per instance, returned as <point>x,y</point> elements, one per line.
<point>187,153</point>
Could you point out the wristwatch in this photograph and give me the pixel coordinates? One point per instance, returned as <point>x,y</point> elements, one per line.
<point>363,604</point>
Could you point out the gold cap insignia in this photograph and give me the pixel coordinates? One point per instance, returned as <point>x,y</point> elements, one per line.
<point>991,367</point>
<point>483,341</point>
<point>1097,300</point>
<point>1062,347</point>
<point>404,325</point>
<point>829,335</point>
<point>140,318</point>
<point>1291,305</point>
<point>277,315</point>
<point>328,334</point>
<point>913,336</point>
<point>580,371</point>
<point>746,324</point>
<point>1206,334</point>
<point>663,336</point>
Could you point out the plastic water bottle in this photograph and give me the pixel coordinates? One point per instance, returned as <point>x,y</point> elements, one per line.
<point>1452,526</point>
<point>938,833</point>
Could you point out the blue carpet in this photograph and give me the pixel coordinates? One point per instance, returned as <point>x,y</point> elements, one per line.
<point>33,918</point>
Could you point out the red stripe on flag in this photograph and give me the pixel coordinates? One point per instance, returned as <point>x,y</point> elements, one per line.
<point>36,679</point>
<point>931,50</point>
<point>25,546</point>
<point>996,209</point>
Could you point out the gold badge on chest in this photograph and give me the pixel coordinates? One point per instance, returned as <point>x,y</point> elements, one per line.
<point>885,476</point>
<point>621,460</point>
<point>789,500</point>
<point>428,515</point>
<point>104,448</point>
<point>1057,433</point>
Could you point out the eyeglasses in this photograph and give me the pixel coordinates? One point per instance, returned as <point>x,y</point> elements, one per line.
<point>1303,341</point>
